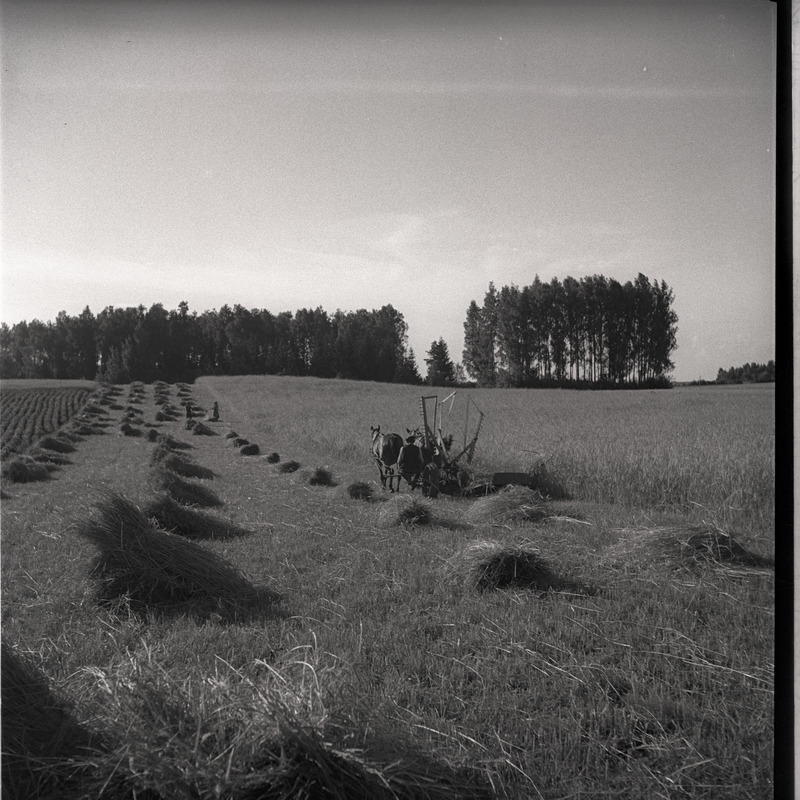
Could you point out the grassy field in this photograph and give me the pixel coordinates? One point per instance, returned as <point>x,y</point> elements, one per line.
<point>645,673</point>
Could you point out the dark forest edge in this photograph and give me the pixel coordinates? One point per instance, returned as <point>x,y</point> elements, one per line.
<point>749,373</point>
<point>592,333</point>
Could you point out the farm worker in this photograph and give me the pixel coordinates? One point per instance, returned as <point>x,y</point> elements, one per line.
<point>215,412</point>
<point>188,410</point>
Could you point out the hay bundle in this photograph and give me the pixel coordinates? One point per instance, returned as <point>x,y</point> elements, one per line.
<point>231,435</point>
<point>250,450</point>
<point>68,435</point>
<point>48,457</point>
<point>360,491</point>
<point>684,546</point>
<point>239,441</point>
<point>152,568</point>
<point>488,565</point>
<point>185,492</point>
<point>321,477</point>
<point>288,466</point>
<point>174,517</point>
<point>511,504</point>
<point>178,735</point>
<point>273,458</point>
<point>152,435</point>
<point>405,510</point>
<point>126,429</point>
<point>164,416</point>
<point>190,423</point>
<point>55,444</point>
<point>177,463</point>
<point>198,429</point>
<point>81,429</point>
<point>182,466</point>
<point>25,470</point>
<point>173,444</point>
<point>93,410</point>
<point>39,733</point>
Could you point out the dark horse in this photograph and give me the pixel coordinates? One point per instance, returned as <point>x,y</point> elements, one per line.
<point>385,450</point>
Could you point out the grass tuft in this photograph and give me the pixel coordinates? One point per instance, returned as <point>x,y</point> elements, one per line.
<point>250,450</point>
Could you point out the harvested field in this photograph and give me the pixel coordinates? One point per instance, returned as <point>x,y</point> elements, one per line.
<point>541,657</point>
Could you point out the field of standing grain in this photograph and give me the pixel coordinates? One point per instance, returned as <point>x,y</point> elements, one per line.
<point>643,670</point>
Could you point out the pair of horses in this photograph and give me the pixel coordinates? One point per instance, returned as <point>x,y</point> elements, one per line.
<point>397,459</point>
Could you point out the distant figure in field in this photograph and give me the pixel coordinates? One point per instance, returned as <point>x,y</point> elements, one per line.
<point>188,410</point>
<point>215,412</point>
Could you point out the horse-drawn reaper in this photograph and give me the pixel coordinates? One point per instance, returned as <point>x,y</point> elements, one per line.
<point>428,458</point>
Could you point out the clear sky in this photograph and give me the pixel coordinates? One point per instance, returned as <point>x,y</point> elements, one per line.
<point>287,156</point>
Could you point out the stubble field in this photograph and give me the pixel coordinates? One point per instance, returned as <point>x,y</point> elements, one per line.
<point>645,671</point>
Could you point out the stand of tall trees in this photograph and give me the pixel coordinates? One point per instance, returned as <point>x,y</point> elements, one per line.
<point>593,332</point>
<point>749,373</point>
<point>125,344</point>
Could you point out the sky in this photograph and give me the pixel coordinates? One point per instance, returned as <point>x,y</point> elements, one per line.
<point>350,155</point>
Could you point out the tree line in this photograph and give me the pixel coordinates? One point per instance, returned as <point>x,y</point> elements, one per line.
<point>592,332</point>
<point>749,373</point>
<point>120,345</point>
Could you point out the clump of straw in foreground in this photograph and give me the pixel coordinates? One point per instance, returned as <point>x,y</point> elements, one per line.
<point>488,565</point>
<point>40,734</point>
<point>254,733</point>
<point>511,504</point>
<point>159,571</point>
